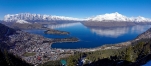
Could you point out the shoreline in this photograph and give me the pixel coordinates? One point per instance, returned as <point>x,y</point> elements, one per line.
<point>103,47</point>
<point>56,32</point>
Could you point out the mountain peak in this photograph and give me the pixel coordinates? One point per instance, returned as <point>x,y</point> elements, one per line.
<point>109,16</point>
<point>115,13</point>
<point>119,18</point>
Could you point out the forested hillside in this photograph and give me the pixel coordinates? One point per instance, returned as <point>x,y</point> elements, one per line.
<point>8,59</point>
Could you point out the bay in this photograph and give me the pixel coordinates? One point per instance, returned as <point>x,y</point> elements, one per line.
<point>92,37</point>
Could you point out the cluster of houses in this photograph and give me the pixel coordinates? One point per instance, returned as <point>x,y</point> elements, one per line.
<point>38,48</point>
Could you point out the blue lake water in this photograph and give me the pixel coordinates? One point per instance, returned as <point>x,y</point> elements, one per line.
<point>147,64</point>
<point>93,37</point>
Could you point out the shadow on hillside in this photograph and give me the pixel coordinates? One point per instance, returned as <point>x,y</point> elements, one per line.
<point>113,62</point>
<point>8,59</point>
<point>109,62</point>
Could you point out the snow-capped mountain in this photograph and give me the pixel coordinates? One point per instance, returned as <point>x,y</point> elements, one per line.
<point>108,17</point>
<point>118,18</point>
<point>36,17</point>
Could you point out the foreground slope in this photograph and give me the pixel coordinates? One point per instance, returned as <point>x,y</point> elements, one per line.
<point>8,59</point>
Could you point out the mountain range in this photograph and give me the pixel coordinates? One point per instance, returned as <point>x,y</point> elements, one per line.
<point>36,17</point>
<point>108,17</point>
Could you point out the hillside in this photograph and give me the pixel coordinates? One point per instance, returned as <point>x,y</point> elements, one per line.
<point>5,31</point>
<point>8,59</point>
<point>23,26</point>
<point>144,35</point>
<point>112,24</point>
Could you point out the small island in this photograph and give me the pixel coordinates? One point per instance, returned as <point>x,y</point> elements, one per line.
<point>51,31</point>
<point>70,39</point>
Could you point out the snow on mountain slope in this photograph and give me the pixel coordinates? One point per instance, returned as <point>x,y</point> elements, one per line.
<point>32,17</point>
<point>112,16</point>
<point>22,22</point>
<point>118,17</point>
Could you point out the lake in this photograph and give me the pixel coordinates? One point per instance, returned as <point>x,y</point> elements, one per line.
<point>92,37</point>
<point>147,64</point>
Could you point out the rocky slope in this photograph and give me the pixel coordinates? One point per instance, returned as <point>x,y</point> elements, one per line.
<point>146,34</point>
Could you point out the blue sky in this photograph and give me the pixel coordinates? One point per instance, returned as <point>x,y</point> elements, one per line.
<point>76,8</point>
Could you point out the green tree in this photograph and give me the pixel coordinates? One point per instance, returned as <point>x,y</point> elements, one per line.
<point>129,54</point>
<point>71,61</point>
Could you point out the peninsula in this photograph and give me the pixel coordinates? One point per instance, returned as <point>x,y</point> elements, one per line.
<point>51,31</point>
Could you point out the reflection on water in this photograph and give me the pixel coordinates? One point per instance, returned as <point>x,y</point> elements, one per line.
<point>115,32</point>
<point>61,25</point>
<point>148,63</point>
<point>139,28</point>
<point>107,32</point>
<point>119,31</point>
